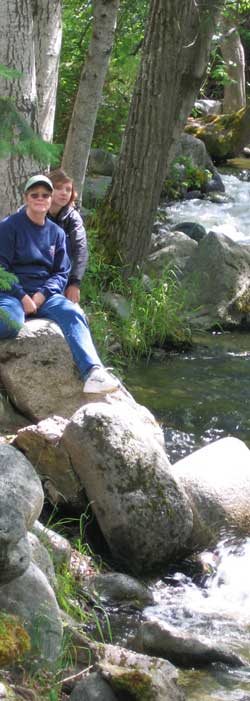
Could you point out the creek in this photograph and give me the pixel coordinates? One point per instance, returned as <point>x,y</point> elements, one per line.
<point>198,397</point>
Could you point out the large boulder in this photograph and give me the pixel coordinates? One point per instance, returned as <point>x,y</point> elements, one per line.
<point>217,481</point>
<point>38,372</point>
<point>115,452</point>
<point>216,283</point>
<point>126,474</point>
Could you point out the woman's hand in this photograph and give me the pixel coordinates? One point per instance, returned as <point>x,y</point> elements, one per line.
<point>29,305</point>
<point>73,294</point>
<point>38,299</point>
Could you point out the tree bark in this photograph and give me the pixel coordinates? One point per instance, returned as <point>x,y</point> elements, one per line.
<point>47,40</point>
<point>234,57</point>
<point>26,45</point>
<point>17,51</point>
<point>89,93</point>
<point>174,59</point>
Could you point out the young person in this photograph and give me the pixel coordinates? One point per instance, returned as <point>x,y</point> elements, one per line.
<point>64,213</point>
<point>34,249</point>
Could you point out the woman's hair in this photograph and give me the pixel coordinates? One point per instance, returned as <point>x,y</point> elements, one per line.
<point>59,176</point>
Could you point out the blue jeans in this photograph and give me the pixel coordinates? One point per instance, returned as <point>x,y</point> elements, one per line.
<point>67,315</point>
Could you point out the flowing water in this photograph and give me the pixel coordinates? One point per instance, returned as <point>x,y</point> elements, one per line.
<point>198,397</point>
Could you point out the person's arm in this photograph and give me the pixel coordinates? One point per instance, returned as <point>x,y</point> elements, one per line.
<point>7,253</point>
<point>79,248</point>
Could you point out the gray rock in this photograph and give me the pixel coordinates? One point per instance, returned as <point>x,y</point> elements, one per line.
<point>14,545</point>
<point>177,249</point>
<point>41,444</point>
<point>181,648</point>
<point>58,546</point>
<point>192,229</point>
<point>32,599</point>
<point>33,362</point>
<point>95,190</point>
<point>93,688</point>
<point>141,509</point>
<point>209,106</point>
<point>119,587</point>
<point>101,162</point>
<point>126,670</point>
<point>40,557</point>
<point>20,487</point>
<point>119,304</point>
<point>217,481</point>
<point>216,283</point>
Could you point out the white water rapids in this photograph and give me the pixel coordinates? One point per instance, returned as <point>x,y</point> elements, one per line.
<point>231,218</point>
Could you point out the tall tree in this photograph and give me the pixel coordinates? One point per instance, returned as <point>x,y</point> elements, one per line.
<point>78,143</point>
<point>47,32</point>
<point>234,62</point>
<point>174,59</point>
<point>20,36</point>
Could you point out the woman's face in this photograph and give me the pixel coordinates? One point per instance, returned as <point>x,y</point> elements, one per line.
<point>62,194</point>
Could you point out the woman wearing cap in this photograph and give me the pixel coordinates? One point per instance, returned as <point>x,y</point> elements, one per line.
<point>34,249</point>
<point>64,213</point>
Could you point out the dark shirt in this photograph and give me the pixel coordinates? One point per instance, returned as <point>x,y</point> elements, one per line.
<point>76,241</point>
<point>35,253</point>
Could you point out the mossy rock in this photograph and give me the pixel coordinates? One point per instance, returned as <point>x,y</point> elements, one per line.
<point>14,640</point>
<point>223,135</point>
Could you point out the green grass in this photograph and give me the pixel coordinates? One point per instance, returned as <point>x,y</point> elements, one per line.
<point>157,311</point>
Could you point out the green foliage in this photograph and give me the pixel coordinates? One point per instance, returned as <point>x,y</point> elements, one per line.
<point>6,281</point>
<point>77,27</point>
<point>16,136</point>
<point>185,176</point>
<point>157,314</point>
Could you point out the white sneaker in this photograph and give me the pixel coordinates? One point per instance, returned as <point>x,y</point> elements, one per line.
<point>99,381</point>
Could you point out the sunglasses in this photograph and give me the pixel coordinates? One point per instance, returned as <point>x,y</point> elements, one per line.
<point>43,195</point>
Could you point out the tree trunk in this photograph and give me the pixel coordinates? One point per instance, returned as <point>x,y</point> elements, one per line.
<point>234,57</point>
<point>47,39</point>
<point>174,60</point>
<point>17,51</point>
<point>89,94</point>
<point>28,43</point>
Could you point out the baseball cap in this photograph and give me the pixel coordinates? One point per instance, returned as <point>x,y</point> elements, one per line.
<point>38,180</point>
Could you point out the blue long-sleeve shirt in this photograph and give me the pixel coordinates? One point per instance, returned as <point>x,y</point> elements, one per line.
<point>35,253</point>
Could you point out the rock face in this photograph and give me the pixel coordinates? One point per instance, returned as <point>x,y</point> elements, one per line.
<point>217,481</point>
<point>37,360</point>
